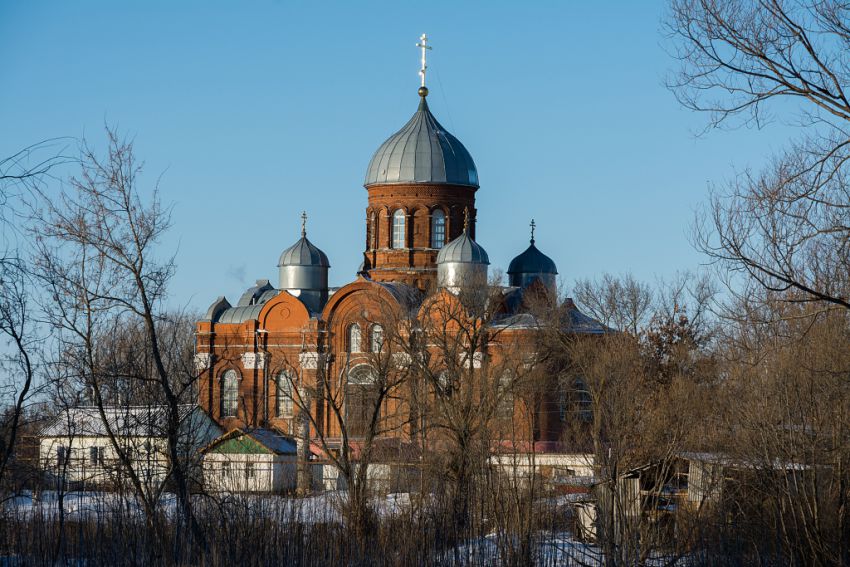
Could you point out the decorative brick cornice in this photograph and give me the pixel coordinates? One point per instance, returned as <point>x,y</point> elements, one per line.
<point>255,360</point>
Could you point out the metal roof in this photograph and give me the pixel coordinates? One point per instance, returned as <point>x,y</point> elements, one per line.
<point>532,261</point>
<point>219,306</point>
<point>463,249</point>
<point>422,152</point>
<point>409,298</point>
<point>272,440</point>
<point>573,321</point>
<point>131,421</point>
<point>240,314</point>
<point>253,294</point>
<point>303,253</point>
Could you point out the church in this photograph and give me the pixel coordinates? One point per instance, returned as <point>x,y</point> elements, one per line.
<point>257,358</point>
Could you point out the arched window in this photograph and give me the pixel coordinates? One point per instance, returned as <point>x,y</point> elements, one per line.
<point>229,393</point>
<point>438,229</point>
<point>361,400</point>
<point>398,229</point>
<point>376,338</point>
<point>444,384</point>
<point>353,338</point>
<point>505,396</point>
<point>576,401</point>
<point>284,394</point>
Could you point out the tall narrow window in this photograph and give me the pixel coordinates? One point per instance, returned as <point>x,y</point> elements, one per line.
<point>398,229</point>
<point>229,393</point>
<point>583,401</point>
<point>377,338</point>
<point>354,338</point>
<point>438,229</point>
<point>284,394</point>
<point>361,399</point>
<point>95,456</point>
<point>505,396</point>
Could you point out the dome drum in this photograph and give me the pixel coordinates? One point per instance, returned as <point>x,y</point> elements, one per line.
<point>456,275</point>
<point>524,280</point>
<point>303,277</point>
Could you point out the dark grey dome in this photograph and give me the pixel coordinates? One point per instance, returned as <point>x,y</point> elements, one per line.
<point>422,152</point>
<point>463,250</point>
<point>532,261</point>
<point>303,253</point>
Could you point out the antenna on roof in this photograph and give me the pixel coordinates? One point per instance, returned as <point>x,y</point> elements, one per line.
<point>303,224</point>
<point>423,45</point>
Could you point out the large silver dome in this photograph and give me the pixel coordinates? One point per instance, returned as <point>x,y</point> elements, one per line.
<point>422,152</point>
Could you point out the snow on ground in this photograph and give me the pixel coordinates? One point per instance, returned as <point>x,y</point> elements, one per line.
<point>92,505</point>
<point>550,549</point>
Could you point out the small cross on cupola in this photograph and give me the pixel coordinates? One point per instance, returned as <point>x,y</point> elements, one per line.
<point>533,226</point>
<point>303,224</point>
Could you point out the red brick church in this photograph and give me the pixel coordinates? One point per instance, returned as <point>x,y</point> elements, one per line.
<point>419,254</point>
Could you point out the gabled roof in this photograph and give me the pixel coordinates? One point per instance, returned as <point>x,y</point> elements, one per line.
<point>128,421</point>
<point>578,322</point>
<point>270,440</point>
<point>254,294</point>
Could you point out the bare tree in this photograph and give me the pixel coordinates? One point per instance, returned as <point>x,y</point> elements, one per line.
<point>18,305</point>
<point>96,257</point>
<point>636,403</point>
<point>467,370</point>
<point>619,302</point>
<point>18,366</point>
<point>362,405</point>
<point>784,429</point>
<point>787,226</point>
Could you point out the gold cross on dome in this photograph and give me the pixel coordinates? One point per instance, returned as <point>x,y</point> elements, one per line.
<point>423,45</point>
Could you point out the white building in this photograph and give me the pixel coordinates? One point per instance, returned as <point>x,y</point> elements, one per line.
<point>256,460</point>
<point>77,447</point>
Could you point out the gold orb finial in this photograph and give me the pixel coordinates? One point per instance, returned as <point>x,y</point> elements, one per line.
<point>423,91</point>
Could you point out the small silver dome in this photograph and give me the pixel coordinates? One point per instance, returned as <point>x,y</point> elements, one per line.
<point>462,262</point>
<point>303,253</point>
<point>304,271</point>
<point>464,250</point>
<point>422,152</point>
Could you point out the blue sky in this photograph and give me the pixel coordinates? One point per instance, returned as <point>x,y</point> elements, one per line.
<point>253,111</point>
